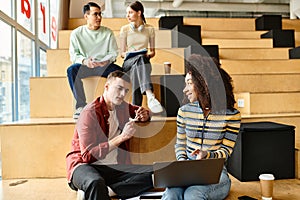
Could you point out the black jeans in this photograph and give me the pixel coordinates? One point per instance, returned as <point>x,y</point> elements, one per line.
<point>125,180</point>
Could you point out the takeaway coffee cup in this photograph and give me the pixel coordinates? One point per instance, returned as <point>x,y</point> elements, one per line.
<point>167,66</point>
<point>266,186</point>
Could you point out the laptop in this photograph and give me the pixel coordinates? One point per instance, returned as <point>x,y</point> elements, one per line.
<point>187,172</point>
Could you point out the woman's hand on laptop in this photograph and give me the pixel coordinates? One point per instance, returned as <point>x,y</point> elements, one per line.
<point>200,154</point>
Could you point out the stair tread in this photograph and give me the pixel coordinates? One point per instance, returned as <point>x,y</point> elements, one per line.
<point>65,120</point>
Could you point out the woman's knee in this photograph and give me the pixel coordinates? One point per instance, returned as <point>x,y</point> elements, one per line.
<point>196,192</point>
<point>173,194</point>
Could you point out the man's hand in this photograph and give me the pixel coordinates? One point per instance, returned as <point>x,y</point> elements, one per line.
<point>92,63</point>
<point>128,131</point>
<point>142,114</point>
<point>100,64</point>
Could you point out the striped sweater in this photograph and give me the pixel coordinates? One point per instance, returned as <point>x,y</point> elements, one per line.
<point>216,133</point>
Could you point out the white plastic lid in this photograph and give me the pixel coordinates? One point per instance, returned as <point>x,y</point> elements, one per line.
<point>266,198</point>
<point>266,177</point>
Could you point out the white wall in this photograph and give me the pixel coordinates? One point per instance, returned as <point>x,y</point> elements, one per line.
<point>294,9</point>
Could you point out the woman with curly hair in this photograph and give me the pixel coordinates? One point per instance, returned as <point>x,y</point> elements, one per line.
<point>207,126</point>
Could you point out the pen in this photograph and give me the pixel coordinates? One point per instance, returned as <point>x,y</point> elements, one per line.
<point>133,47</point>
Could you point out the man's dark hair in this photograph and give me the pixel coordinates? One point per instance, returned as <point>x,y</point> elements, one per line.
<point>118,74</point>
<point>87,7</point>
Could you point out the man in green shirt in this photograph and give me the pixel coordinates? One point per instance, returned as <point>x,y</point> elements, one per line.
<point>93,50</point>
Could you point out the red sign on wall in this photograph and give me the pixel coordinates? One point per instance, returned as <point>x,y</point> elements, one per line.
<point>47,19</point>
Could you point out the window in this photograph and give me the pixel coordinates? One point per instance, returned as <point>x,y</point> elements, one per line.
<point>43,18</point>
<point>6,66</point>
<point>25,14</point>
<point>7,7</point>
<point>24,72</point>
<point>43,63</point>
<point>28,29</point>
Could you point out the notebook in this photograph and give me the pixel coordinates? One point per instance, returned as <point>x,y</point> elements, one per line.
<point>188,172</point>
<point>134,53</point>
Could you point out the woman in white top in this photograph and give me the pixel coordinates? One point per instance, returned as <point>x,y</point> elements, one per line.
<point>135,36</point>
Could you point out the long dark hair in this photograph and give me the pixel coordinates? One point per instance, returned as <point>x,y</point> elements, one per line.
<point>213,84</point>
<point>138,6</point>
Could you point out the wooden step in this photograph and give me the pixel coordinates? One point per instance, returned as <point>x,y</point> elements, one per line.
<point>239,43</point>
<point>254,53</point>
<point>240,35</point>
<point>237,27</point>
<point>50,97</point>
<point>262,83</point>
<point>39,150</point>
<point>235,24</point>
<point>26,153</point>
<point>291,24</point>
<point>264,103</point>
<point>64,39</point>
<point>232,34</point>
<point>61,103</point>
<point>239,24</point>
<point>261,66</point>
<point>280,89</point>
<point>221,24</point>
<point>113,23</point>
<point>268,103</point>
<point>58,60</point>
<point>163,38</point>
<point>206,23</point>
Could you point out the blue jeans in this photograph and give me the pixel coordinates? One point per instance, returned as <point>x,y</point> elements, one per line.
<point>77,71</point>
<point>217,191</point>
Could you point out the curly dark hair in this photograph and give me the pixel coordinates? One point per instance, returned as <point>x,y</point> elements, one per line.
<point>213,84</point>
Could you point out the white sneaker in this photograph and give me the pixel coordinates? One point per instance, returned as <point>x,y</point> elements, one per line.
<point>154,105</point>
<point>77,113</point>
